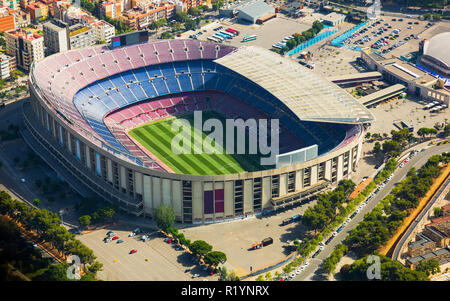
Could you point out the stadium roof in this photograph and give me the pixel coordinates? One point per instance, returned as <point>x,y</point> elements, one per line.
<point>310,96</point>
<point>437,47</point>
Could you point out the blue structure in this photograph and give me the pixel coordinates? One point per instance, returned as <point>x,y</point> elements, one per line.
<point>311,42</point>
<point>340,39</point>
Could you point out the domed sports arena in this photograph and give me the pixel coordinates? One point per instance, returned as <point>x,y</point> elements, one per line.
<point>104,118</point>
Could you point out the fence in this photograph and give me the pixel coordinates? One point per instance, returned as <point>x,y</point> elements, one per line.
<point>272,266</point>
<point>338,41</point>
<point>312,42</point>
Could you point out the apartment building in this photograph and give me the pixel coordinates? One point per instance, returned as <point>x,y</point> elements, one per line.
<point>7,64</point>
<point>38,11</point>
<point>111,9</point>
<point>81,36</point>
<point>25,46</point>
<point>7,21</point>
<point>56,36</point>
<point>103,31</point>
<point>142,16</point>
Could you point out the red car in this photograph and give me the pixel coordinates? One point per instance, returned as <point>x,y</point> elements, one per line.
<point>133,251</point>
<point>115,237</point>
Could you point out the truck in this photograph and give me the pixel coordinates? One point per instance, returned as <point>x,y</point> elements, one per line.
<point>267,241</point>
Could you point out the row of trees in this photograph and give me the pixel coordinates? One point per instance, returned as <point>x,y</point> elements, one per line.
<point>298,39</point>
<point>328,205</point>
<point>384,220</point>
<point>390,270</point>
<point>329,264</point>
<point>48,226</point>
<point>93,213</point>
<point>393,147</point>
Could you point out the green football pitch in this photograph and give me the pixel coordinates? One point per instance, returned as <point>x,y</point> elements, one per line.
<point>157,137</point>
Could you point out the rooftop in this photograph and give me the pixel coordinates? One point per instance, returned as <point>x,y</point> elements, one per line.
<point>333,17</point>
<point>307,94</point>
<point>437,47</point>
<point>24,34</point>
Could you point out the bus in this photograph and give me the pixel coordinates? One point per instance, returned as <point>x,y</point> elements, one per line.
<point>229,35</point>
<point>249,38</point>
<point>233,31</point>
<point>218,37</point>
<point>213,39</point>
<point>221,35</point>
<point>276,46</point>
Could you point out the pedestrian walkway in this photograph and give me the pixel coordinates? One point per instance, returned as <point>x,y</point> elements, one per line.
<point>312,41</point>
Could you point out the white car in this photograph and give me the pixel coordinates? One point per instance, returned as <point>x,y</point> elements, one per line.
<point>131,234</point>
<point>348,220</point>
<point>22,180</point>
<point>335,233</point>
<point>292,275</point>
<point>321,248</point>
<point>306,263</point>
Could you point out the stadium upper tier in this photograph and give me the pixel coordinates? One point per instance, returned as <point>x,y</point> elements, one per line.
<point>85,86</point>
<point>307,94</point>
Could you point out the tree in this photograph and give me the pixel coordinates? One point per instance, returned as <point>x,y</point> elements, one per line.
<point>429,267</point>
<point>447,130</point>
<point>215,258</point>
<point>200,247</point>
<point>194,11</point>
<point>166,35</point>
<point>222,274</point>
<point>95,267</point>
<point>181,16</point>
<point>260,278</point>
<point>367,135</point>
<point>268,276</point>
<point>217,4</point>
<point>37,202</point>
<point>56,272</point>
<point>164,217</point>
<point>377,147</point>
<point>84,220</point>
<point>438,211</point>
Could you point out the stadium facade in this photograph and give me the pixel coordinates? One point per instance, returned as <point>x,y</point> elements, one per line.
<point>84,102</point>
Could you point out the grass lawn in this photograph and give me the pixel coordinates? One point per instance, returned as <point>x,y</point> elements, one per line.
<point>157,138</point>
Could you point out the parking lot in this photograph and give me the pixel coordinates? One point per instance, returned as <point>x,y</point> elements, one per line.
<point>387,34</point>
<point>269,33</point>
<point>165,263</point>
<point>235,239</point>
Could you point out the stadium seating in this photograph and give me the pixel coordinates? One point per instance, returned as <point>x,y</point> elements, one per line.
<point>106,92</point>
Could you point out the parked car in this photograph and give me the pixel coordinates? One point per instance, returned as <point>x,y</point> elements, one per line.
<point>120,241</point>
<point>115,237</point>
<point>195,275</point>
<point>133,251</point>
<point>107,239</point>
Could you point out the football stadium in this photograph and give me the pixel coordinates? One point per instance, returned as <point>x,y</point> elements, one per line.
<point>103,118</point>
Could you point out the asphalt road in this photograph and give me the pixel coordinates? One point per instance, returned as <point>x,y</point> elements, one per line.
<point>312,271</point>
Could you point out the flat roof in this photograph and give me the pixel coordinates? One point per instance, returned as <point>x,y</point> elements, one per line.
<point>333,17</point>
<point>307,94</point>
<point>361,75</point>
<point>381,93</point>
